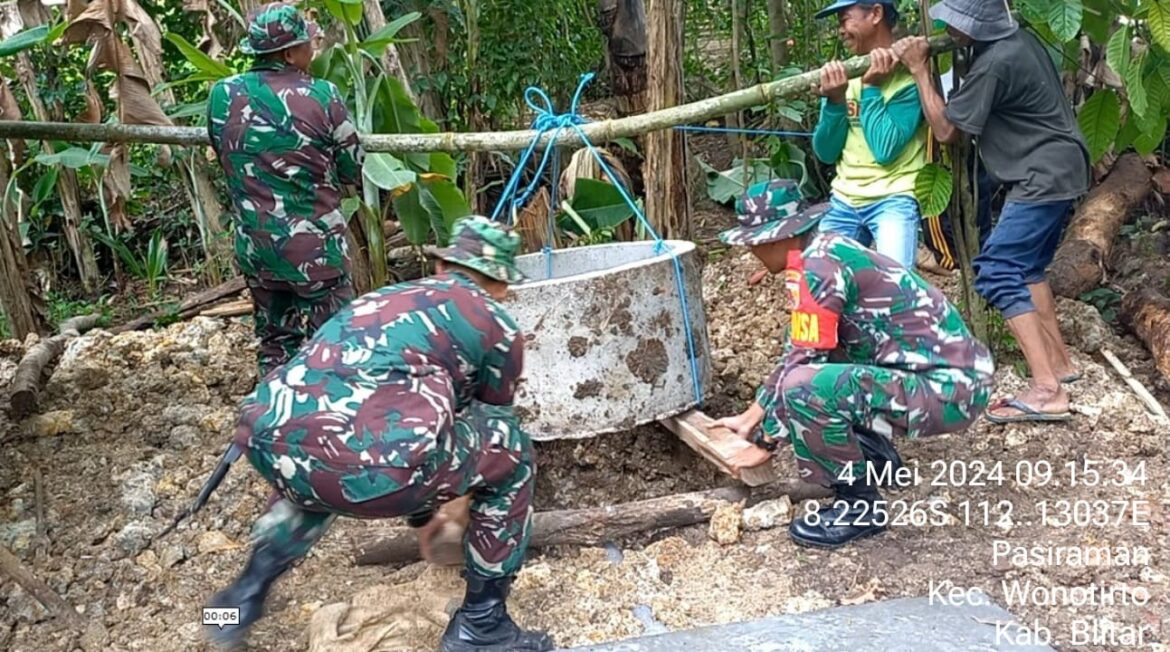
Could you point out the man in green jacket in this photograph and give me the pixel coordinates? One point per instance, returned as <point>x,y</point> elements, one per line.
<point>872,129</point>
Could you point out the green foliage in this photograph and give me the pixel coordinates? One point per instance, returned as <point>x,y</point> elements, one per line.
<point>23,40</point>
<point>1064,18</point>
<point>1100,120</point>
<point>1107,301</point>
<point>934,187</point>
<point>596,206</point>
<point>62,308</point>
<point>518,44</point>
<point>155,265</point>
<point>1111,120</point>
<point>725,186</point>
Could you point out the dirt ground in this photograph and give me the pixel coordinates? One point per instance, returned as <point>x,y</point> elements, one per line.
<point>134,423</point>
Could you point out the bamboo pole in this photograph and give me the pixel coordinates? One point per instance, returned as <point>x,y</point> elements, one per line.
<point>597,132</point>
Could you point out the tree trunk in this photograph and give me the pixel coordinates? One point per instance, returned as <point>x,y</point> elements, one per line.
<point>20,296</point>
<point>735,120</point>
<point>667,204</point>
<point>475,122</point>
<point>423,57</point>
<point>1079,264</point>
<point>37,365</point>
<point>376,20</point>
<point>596,525</point>
<point>33,14</point>
<point>778,38</point>
<point>1147,314</point>
<point>623,24</point>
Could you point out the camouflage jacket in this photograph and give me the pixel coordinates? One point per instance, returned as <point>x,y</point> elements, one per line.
<point>383,380</point>
<point>854,305</point>
<point>286,144</point>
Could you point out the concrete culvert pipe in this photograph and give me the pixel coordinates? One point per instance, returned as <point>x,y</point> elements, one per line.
<point>605,339</point>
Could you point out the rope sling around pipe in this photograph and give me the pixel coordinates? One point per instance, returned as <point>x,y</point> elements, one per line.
<point>548,120</point>
<point>595,132</point>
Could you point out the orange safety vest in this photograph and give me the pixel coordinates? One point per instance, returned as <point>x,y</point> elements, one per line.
<point>812,327</point>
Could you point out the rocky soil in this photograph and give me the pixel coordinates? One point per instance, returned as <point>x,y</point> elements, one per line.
<point>134,423</point>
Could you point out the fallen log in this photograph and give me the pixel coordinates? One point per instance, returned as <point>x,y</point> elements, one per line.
<point>596,525</point>
<point>37,365</point>
<point>189,308</point>
<point>1080,261</point>
<point>1147,314</point>
<point>56,606</point>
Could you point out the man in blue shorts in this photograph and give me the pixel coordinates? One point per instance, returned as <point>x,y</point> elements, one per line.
<point>1013,103</point>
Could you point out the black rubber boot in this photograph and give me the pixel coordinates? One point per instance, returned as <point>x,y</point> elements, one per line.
<point>248,593</point>
<point>858,511</point>
<point>882,458</point>
<point>482,623</point>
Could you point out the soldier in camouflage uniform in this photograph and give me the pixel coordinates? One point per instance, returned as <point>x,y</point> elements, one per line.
<point>873,351</point>
<point>401,402</point>
<point>287,145</point>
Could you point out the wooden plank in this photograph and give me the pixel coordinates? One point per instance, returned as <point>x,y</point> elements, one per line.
<point>718,445</point>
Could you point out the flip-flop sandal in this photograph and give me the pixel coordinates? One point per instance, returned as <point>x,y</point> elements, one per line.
<point>1029,413</point>
<point>1072,378</point>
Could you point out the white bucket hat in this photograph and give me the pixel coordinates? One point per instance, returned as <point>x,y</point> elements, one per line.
<point>982,20</point>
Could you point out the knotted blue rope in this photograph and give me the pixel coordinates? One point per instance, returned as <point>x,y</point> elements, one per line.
<point>547,120</point>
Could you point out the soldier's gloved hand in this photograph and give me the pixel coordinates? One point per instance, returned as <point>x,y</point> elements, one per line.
<point>420,518</point>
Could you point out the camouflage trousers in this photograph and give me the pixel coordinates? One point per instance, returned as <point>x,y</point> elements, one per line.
<point>287,314</point>
<point>819,406</point>
<point>494,465</point>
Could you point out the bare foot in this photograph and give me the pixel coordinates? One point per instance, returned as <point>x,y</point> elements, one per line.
<point>1068,374</point>
<point>1033,404</point>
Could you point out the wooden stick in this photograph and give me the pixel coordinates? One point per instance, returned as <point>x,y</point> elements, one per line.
<point>37,365</point>
<point>53,603</point>
<point>39,496</point>
<point>1136,385</point>
<point>233,309</point>
<point>593,526</point>
<point>598,132</point>
<point>189,308</point>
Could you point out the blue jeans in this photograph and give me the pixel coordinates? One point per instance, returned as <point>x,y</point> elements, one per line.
<point>890,226</point>
<point>1017,252</point>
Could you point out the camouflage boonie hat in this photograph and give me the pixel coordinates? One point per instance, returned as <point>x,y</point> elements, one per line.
<point>770,211</point>
<point>274,27</point>
<point>483,245</point>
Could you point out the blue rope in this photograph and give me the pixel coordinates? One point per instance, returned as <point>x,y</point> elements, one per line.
<point>750,132</point>
<point>546,120</point>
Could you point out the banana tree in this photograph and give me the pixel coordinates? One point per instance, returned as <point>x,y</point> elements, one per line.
<point>422,186</point>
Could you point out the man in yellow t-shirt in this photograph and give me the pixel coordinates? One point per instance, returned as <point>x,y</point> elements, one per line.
<point>873,131</point>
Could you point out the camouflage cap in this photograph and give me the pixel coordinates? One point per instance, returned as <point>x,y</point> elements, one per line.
<point>770,211</point>
<point>274,27</point>
<point>486,246</point>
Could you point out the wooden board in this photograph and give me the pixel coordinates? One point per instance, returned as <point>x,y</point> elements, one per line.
<point>718,445</point>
